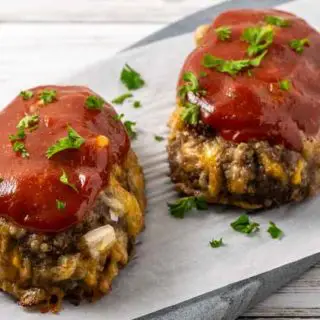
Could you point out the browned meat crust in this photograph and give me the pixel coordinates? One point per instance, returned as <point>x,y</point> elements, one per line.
<point>250,175</point>
<point>80,263</point>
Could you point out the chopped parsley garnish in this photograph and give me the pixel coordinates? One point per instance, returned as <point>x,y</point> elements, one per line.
<point>118,117</point>
<point>65,180</point>
<point>216,243</point>
<point>183,205</point>
<point>203,74</point>
<point>285,85</point>
<point>250,74</point>
<point>191,84</point>
<point>244,225</point>
<point>231,67</point>
<point>121,99</point>
<point>72,141</point>
<point>20,135</point>
<point>259,39</point>
<point>129,125</point>
<point>274,231</point>
<point>28,122</point>
<point>255,62</point>
<point>137,104</point>
<point>25,123</point>
<point>131,78</point>
<point>20,147</point>
<point>190,113</point>
<point>298,44</point>
<point>158,138</point>
<point>26,95</point>
<point>277,21</point>
<point>60,204</point>
<point>223,33</point>
<point>94,103</point>
<point>48,96</point>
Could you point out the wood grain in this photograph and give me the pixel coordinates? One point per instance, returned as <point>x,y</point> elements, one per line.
<point>60,49</point>
<point>101,10</point>
<point>298,300</point>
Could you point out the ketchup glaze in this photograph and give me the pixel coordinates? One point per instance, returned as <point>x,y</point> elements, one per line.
<point>31,186</point>
<point>253,107</point>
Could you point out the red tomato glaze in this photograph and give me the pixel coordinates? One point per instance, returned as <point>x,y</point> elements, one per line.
<point>31,185</point>
<point>243,108</point>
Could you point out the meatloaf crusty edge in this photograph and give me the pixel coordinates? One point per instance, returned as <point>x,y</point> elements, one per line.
<point>250,175</point>
<point>39,270</point>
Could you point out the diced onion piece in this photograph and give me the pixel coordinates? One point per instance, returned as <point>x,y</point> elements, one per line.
<point>100,240</point>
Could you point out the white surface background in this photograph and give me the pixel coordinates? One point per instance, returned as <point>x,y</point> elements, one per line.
<point>58,37</point>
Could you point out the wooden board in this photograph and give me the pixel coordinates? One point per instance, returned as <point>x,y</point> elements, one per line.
<point>299,300</point>
<point>164,11</point>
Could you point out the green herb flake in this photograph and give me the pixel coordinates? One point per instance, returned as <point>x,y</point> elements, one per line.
<point>259,39</point>
<point>277,21</point>
<point>131,78</point>
<point>20,135</point>
<point>250,74</point>
<point>26,95</point>
<point>28,122</point>
<point>190,113</point>
<point>129,125</point>
<point>216,243</point>
<point>191,85</point>
<point>65,180</point>
<point>223,33</point>
<point>244,225</point>
<point>60,205</point>
<point>20,147</point>
<point>298,45</point>
<point>72,141</point>
<point>203,74</point>
<point>274,231</point>
<point>48,96</point>
<point>121,99</point>
<point>255,62</point>
<point>118,117</point>
<point>231,67</point>
<point>137,104</point>
<point>94,103</point>
<point>186,204</point>
<point>158,138</point>
<point>285,84</point>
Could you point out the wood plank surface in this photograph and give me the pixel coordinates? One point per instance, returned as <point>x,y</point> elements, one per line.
<point>164,11</point>
<point>26,50</point>
<point>298,300</point>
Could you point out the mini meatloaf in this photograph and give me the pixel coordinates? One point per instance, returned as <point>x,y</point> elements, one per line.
<point>245,130</point>
<point>71,196</point>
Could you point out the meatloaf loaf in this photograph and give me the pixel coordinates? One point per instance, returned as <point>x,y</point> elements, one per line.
<point>245,130</point>
<point>71,197</point>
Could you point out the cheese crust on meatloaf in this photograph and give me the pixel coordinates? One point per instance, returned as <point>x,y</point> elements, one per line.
<point>245,130</point>
<point>71,200</point>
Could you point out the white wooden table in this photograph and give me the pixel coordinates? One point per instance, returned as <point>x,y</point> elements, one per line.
<point>61,36</point>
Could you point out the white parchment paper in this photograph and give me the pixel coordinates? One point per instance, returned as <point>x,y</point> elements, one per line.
<point>174,261</point>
